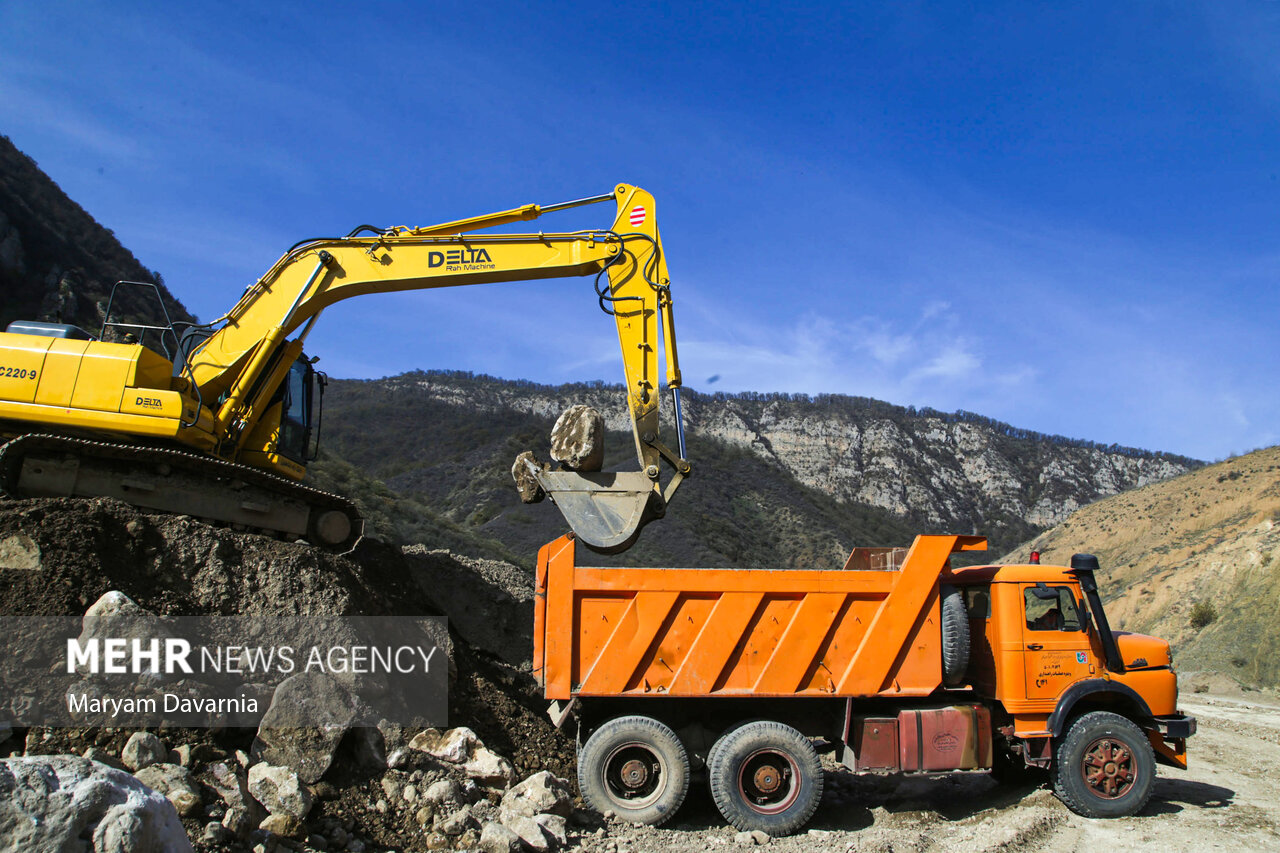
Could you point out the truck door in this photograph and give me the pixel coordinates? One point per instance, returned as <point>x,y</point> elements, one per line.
<point>1055,645</point>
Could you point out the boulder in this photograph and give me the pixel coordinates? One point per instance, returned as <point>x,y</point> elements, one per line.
<point>541,793</point>
<point>115,614</point>
<point>280,790</point>
<point>59,802</point>
<point>490,769</point>
<point>455,746</point>
<point>555,827</point>
<point>301,730</point>
<point>176,783</point>
<point>526,481</point>
<point>142,750</point>
<point>577,439</point>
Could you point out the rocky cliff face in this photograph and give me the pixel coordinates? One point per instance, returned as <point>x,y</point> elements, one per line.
<point>959,471</point>
<point>56,262</point>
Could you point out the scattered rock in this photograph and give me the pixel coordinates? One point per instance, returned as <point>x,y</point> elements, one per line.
<point>444,791</point>
<point>142,749</point>
<point>280,790</point>
<point>59,802</point>
<point>181,756</point>
<point>425,815</point>
<point>216,834</point>
<point>231,785</point>
<point>759,836</point>
<point>496,838</point>
<point>393,782</point>
<point>541,793</point>
<point>577,439</point>
<point>174,782</point>
<point>101,756</point>
<point>19,552</point>
<point>284,824</point>
<point>457,823</point>
<point>238,822</point>
<point>526,482</point>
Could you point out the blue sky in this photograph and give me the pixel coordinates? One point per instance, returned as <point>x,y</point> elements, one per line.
<point>1059,215</point>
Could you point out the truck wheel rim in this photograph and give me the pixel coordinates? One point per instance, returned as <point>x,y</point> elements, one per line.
<point>768,781</point>
<point>634,775</point>
<point>1107,768</point>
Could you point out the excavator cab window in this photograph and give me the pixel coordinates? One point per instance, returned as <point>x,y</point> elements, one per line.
<point>295,420</point>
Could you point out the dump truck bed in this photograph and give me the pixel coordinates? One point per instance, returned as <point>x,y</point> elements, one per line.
<point>851,632</point>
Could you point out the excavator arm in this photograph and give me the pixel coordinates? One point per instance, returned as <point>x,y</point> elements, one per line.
<point>239,367</point>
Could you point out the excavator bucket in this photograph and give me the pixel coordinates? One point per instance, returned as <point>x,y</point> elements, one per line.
<point>605,509</point>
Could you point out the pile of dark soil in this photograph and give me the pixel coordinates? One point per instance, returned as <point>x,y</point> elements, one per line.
<point>72,551</point>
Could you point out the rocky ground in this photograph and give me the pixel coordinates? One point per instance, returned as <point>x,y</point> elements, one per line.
<point>497,779</point>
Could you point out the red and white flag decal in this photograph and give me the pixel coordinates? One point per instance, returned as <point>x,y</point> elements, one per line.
<point>637,215</point>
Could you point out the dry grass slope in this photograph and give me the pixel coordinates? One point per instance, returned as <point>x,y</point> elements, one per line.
<point>1209,537</point>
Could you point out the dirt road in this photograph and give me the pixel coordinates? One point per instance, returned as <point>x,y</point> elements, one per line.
<point>1228,800</point>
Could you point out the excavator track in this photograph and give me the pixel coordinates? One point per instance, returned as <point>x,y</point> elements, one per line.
<point>171,480</point>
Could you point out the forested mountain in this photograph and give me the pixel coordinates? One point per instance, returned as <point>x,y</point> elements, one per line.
<point>57,263</point>
<point>778,479</point>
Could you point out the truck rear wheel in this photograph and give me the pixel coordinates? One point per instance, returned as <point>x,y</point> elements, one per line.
<point>1105,767</point>
<point>767,776</point>
<point>635,767</point>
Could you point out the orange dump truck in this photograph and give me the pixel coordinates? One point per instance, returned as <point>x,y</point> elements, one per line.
<point>896,663</point>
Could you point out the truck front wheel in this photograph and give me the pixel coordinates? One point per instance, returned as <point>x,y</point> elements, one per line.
<point>1105,766</point>
<point>767,776</point>
<point>635,767</point>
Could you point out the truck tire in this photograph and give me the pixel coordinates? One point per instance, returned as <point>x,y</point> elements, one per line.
<point>1105,766</point>
<point>711,753</point>
<point>767,776</point>
<point>635,767</point>
<point>955,637</point>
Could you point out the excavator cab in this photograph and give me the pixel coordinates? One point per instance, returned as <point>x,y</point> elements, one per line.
<point>295,415</point>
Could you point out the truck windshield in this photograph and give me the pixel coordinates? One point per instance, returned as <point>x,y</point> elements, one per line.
<point>1052,614</point>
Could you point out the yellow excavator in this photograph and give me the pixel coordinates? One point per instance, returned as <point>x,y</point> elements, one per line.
<point>220,425</point>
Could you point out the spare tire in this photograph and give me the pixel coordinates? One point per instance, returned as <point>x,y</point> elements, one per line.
<point>955,637</point>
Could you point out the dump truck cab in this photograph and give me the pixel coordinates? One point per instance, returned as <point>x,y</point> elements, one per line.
<point>1042,650</point>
